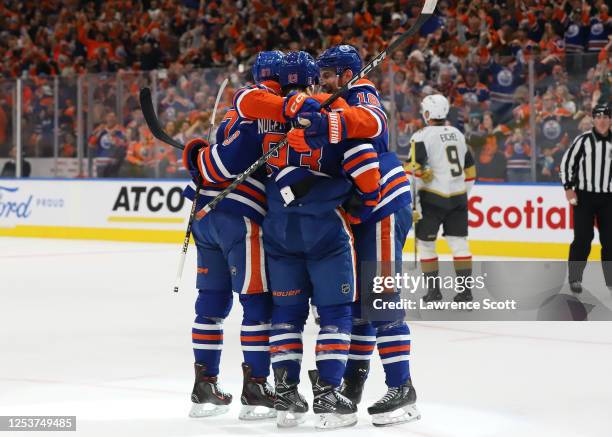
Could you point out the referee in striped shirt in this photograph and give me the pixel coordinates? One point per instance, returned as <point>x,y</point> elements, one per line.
<point>586,173</point>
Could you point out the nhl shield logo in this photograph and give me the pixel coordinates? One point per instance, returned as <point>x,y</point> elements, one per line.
<point>345,288</point>
<point>292,78</point>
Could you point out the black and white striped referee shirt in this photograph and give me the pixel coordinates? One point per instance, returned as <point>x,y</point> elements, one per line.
<point>587,164</point>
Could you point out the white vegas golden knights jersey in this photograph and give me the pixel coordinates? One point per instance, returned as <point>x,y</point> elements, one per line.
<point>443,149</point>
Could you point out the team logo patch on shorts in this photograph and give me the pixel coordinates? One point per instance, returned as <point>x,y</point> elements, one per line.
<point>233,270</point>
<point>345,288</point>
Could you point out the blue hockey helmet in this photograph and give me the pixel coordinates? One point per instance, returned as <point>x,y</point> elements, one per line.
<point>341,58</point>
<point>267,65</point>
<point>298,68</point>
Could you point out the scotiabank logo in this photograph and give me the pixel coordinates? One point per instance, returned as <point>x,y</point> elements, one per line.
<point>532,214</point>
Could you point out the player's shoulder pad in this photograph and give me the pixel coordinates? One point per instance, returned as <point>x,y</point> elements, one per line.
<point>365,83</point>
<point>418,134</point>
<point>271,86</point>
<point>241,91</point>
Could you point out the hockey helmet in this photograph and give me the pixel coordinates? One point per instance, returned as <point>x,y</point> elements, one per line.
<point>267,65</point>
<point>341,58</point>
<point>434,107</point>
<point>298,68</point>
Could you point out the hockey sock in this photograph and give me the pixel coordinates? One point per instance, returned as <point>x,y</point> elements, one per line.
<point>333,342</point>
<point>430,272</point>
<point>286,338</point>
<point>363,342</point>
<point>211,307</point>
<point>393,342</point>
<point>207,338</point>
<point>463,266</point>
<point>255,332</point>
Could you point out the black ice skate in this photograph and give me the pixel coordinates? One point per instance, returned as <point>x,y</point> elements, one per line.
<point>465,296</point>
<point>257,397</point>
<point>208,399</point>
<point>332,409</point>
<point>289,403</point>
<point>433,295</point>
<point>396,406</point>
<point>352,385</point>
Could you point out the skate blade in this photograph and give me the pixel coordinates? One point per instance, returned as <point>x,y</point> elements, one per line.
<point>256,412</point>
<point>288,419</point>
<point>326,421</point>
<point>207,410</point>
<point>401,415</point>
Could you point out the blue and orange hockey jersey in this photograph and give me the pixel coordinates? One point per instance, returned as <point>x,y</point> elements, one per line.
<point>370,120</point>
<point>218,170</point>
<point>365,119</point>
<point>322,171</point>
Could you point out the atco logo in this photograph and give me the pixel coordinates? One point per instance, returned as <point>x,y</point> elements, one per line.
<point>153,198</point>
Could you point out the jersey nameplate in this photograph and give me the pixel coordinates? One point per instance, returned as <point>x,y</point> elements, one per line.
<point>448,137</point>
<point>267,126</point>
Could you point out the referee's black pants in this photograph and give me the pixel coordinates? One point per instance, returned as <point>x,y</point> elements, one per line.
<point>591,206</point>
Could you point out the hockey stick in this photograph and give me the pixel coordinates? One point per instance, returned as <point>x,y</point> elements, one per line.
<point>148,111</point>
<point>426,12</point>
<point>414,194</point>
<point>179,273</point>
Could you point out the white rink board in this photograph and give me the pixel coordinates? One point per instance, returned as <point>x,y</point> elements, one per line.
<point>133,203</point>
<point>503,213</point>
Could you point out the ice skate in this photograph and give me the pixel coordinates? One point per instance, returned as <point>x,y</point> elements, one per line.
<point>208,399</point>
<point>352,385</point>
<point>332,409</point>
<point>257,397</point>
<point>465,296</point>
<point>396,406</point>
<point>290,405</point>
<point>432,295</point>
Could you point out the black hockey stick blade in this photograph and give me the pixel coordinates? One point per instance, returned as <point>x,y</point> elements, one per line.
<point>146,104</point>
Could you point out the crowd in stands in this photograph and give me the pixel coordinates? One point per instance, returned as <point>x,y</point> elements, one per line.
<point>475,52</point>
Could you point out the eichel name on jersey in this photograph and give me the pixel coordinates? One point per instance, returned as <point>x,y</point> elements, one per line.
<point>443,149</point>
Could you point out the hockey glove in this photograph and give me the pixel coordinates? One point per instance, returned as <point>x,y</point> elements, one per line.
<point>295,103</point>
<point>360,205</point>
<point>423,173</point>
<point>190,157</point>
<point>324,128</point>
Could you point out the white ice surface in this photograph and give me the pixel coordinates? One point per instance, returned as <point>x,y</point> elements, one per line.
<point>92,329</point>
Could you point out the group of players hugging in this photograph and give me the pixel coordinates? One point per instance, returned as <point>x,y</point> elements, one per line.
<point>294,234</point>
